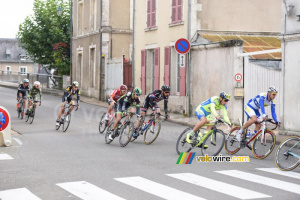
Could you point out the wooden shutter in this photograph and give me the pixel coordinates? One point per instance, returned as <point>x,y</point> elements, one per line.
<point>148,13</point>
<point>179,11</point>
<point>143,71</point>
<point>156,68</point>
<point>183,79</point>
<point>167,66</point>
<point>153,13</point>
<point>174,6</point>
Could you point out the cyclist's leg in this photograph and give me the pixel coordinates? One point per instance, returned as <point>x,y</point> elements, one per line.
<point>252,116</point>
<point>61,109</point>
<point>72,103</point>
<point>144,109</point>
<point>118,118</point>
<point>203,120</point>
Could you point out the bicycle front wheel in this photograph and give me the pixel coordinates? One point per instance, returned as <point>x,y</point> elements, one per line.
<point>231,145</point>
<point>182,145</point>
<point>215,142</point>
<point>263,145</point>
<point>27,117</point>
<point>107,140</point>
<point>67,121</point>
<point>152,132</point>
<point>284,156</point>
<point>125,134</point>
<point>102,124</point>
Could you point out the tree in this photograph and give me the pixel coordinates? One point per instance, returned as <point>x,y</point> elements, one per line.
<point>46,36</point>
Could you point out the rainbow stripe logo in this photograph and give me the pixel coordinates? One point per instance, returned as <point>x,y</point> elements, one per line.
<point>185,158</point>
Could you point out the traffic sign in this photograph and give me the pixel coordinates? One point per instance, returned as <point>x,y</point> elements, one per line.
<point>182,46</point>
<point>238,77</point>
<point>182,60</point>
<point>4,119</point>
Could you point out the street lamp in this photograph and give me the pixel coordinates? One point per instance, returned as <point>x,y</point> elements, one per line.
<point>59,10</point>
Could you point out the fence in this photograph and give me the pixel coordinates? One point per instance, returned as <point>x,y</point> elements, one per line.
<point>46,80</point>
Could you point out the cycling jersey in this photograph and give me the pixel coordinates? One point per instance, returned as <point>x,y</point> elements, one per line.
<point>126,101</point>
<point>68,94</point>
<point>153,98</point>
<point>23,90</point>
<point>211,106</point>
<point>33,92</point>
<point>116,94</point>
<point>260,102</point>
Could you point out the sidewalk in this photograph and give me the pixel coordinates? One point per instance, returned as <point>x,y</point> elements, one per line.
<point>175,118</point>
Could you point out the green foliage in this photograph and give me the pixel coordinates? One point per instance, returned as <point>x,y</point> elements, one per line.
<point>39,34</point>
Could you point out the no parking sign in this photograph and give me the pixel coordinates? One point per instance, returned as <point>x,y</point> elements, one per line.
<point>5,128</point>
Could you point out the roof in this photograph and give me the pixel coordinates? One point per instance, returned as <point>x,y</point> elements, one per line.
<point>252,43</point>
<point>11,46</point>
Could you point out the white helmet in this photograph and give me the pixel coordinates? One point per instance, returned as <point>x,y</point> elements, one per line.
<point>75,83</point>
<point>272,89</point>
<point>25,80</point>
<point>36,83</point>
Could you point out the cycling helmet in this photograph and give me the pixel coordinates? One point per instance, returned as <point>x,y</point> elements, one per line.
<point>137,91</point>
<point>272,89</point>
<point>25,80</point>
<point>75,83</point>
<point>225,96</point>
<point>165,88</point>
<point>36,83</point>
<point>123,87</point>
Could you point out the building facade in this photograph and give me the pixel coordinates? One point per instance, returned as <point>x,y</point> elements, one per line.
<point>116,41</point>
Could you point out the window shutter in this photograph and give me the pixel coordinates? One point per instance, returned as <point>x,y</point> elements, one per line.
<point>153,20</point>
<point>173,10</point>
<point>156,68</point>
<point>179,11</point>
<point>143,71</point>
<point>167,66</point>
<point>148,13</point>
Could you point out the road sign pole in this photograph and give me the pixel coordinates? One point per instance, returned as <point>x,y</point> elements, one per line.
<point>5,127</point>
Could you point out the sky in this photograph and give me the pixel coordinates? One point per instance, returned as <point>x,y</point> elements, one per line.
<point>12,14</point>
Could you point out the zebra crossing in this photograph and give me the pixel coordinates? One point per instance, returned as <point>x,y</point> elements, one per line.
<point>88,191</point>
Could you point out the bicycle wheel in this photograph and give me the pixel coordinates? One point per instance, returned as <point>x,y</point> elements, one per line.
<point>107,140</point>
<point>215,141</point>
<point>22,113</point>
<point>231,145</point>
<point>102,124</point>
<point>263,145</point>
<point>67,121</point>
<point>32,115</point>
<point>284,158</point>
<point>125,134</point>
<point>152,132</point>
<point>182,145</point>
<point>19,112</point>
<point>134,125</point>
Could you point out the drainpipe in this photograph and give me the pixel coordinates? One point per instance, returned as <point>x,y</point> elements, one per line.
<point>133,45</point>
<point>100,49</point>
<point>189,106</point>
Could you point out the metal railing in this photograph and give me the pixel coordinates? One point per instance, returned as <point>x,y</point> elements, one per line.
<point>46,80</point>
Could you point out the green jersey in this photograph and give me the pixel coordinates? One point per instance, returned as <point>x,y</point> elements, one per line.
<point>33,92</point>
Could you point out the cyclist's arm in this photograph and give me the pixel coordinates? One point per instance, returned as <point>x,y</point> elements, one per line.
<point>226,118</point>
<point>166,106</point>
<point>152,103</point>
<point>138,109</point>
<point>274,113</point>
<point>40,92</point>
<point>262,107</point>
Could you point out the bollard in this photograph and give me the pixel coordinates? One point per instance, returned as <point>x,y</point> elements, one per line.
<point>5,127</point>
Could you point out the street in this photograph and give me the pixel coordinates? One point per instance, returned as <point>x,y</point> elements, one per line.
<point>77,164</point>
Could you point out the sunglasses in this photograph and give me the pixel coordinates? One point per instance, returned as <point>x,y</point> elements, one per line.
<point>167,92</point>
<point>226,100</point>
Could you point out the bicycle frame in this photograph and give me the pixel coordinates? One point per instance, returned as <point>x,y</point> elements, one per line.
<point>293,154</point>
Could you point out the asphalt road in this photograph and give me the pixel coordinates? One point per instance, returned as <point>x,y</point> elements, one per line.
<point>77,164</point>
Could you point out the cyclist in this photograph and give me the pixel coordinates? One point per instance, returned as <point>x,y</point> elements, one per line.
<point>22,93</point>
<point>68,98</point>
<point>252,110</point>
<point>113,98</point>
<point>151,101</point>
<point>204,111</point>
<point>32,95</point>
<point>127,102</point>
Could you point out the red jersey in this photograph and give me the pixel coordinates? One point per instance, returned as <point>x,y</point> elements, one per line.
<point>116,94</point>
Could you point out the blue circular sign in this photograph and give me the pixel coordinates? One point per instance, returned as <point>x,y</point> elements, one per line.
<point>182,46</point>
<point>4,119</point>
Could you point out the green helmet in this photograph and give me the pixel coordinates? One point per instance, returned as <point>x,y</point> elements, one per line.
<point>225,96</point>
<point>137,91</point>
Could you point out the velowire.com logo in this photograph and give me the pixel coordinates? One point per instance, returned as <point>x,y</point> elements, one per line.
<point>187,158</point>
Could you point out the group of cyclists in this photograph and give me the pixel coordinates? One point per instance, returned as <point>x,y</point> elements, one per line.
<point>122,101</point>
<point>26,92</point>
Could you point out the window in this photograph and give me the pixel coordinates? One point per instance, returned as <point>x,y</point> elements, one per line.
<point>93,14</point>
<point>92,67</point>
<point>151,13</point>
<point>176,15</point>
<point>7,56</point>
<point>23,70</point>
<point>8,70</point>
<point>80,17</point>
